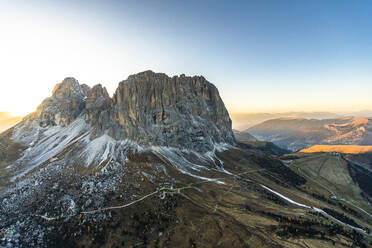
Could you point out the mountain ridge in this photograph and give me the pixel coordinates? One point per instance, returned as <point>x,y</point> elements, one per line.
<point>142,108</point>
<point>148,112</point>
<point>297,134</point>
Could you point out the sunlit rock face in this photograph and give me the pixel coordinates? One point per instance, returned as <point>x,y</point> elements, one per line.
<point>64,106</point>
<point>183,112</point>
<point>98,108</point>
<point>148,108</point>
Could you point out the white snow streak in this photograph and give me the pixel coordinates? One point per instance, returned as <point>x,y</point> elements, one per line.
<point>52,142</point>
<point>313,208</point>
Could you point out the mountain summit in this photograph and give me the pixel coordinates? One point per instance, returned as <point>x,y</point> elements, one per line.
<point>148,108</point>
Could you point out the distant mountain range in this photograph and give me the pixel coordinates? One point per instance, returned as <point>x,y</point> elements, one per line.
<point>7,120</point>
<point>295,133</point>
<point>243,136</point>
<point>250,141</point>
<point>243,121</point>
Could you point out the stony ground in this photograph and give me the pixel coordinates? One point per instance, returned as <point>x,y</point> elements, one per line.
<point>150,203</point>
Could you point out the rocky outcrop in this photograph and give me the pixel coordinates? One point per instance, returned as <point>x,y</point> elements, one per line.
<point>184,112</point>
<point>64,106</point>
<point>97,98</point>
<point>149,108</point>
<point>98,108</point>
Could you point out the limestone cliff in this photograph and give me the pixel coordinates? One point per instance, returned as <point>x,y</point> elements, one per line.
<point>148,108</point>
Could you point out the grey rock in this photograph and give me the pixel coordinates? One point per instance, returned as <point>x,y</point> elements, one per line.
<point>98,109</point>
<point>183,112</point>
<point>149,108</point>
<point>65,104</point>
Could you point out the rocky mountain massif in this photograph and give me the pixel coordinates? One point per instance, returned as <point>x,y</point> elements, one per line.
<point>295,134</point>
<point>156,165</point>
<point>147,108</point>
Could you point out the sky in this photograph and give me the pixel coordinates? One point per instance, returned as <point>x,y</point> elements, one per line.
<point>264,56</point>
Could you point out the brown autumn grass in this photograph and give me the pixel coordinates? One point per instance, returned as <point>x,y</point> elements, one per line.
<point>350,149</point>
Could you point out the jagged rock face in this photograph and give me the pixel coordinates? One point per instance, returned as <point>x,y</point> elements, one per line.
<point>97,98</point>
<point>98,109</point>
<point>64,106</point>
<point>149,108</point>
<point>184,112</point>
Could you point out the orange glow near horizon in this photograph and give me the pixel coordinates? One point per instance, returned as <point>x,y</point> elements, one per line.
<point>42,46</point>
<point>349,149</point>
<point>25,103</point>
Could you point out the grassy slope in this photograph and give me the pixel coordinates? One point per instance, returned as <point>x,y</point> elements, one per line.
<point>348,149</point>
<point>265,146</point>
<point>328,175</point>
<point>9,152</point>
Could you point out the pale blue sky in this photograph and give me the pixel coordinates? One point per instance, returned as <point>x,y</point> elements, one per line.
<point>262,55</point>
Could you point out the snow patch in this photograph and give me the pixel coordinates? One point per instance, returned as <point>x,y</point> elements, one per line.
<point>103,151</point>
<point>53,141</point>
<point>178,160</point>
<point>313,208</point>
<point>98,148</point>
